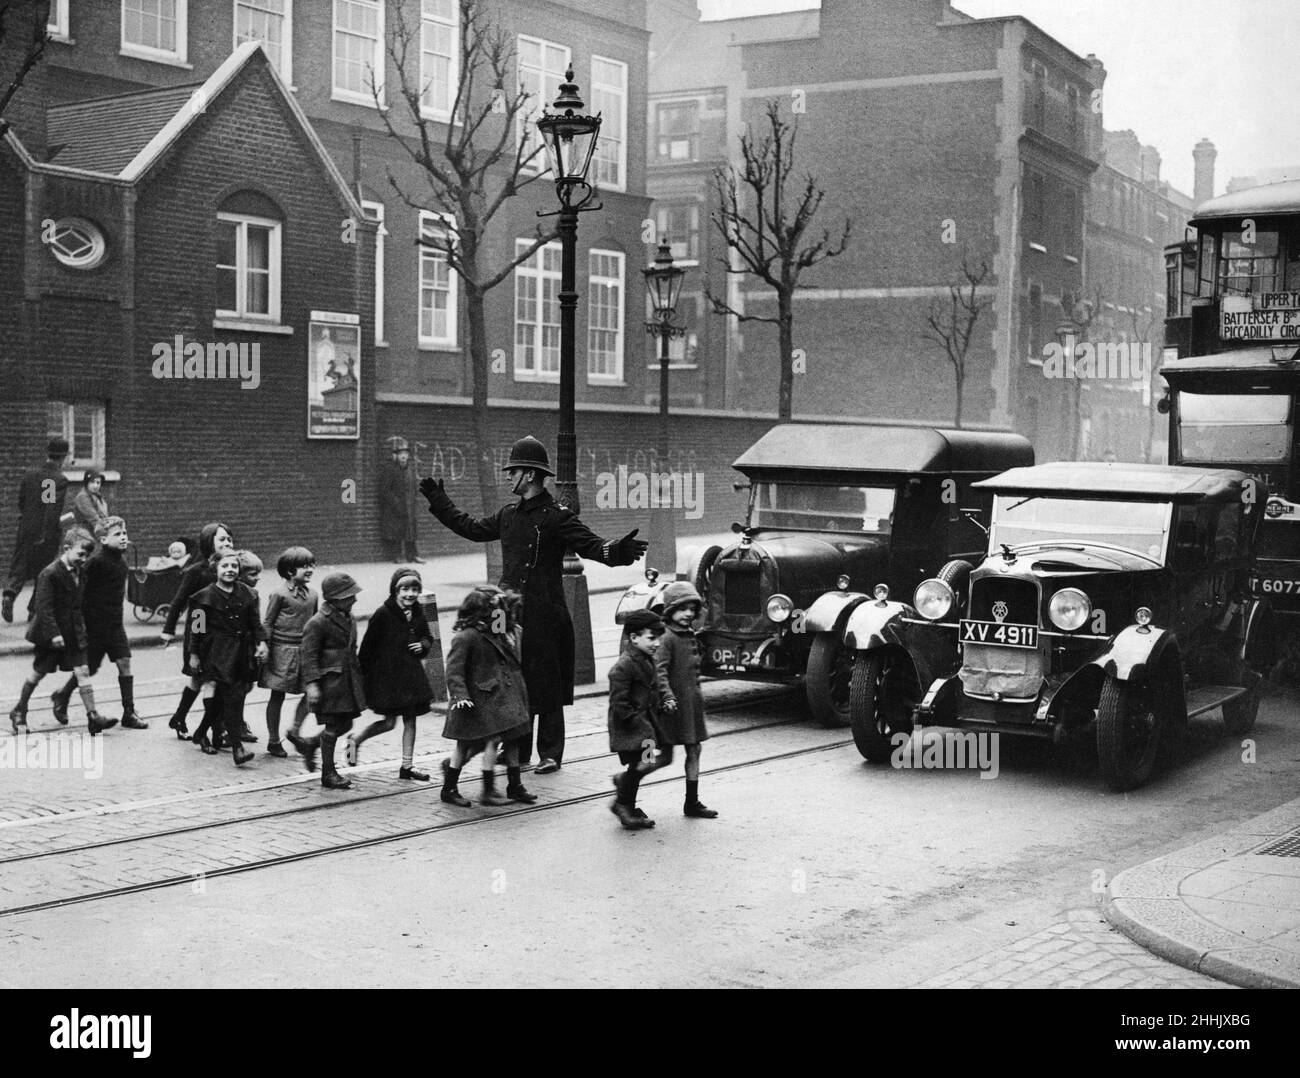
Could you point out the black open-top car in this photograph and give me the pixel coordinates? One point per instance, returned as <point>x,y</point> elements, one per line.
<point>1113,600</point>
<point>834,509</point>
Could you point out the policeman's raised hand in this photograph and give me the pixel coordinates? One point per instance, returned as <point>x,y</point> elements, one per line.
<point>631,549</point>
<point>430,487</point>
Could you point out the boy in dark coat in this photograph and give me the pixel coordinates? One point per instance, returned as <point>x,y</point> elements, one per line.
<point>105,591</point>
<point>331,672</point>
<point>489,700</point>
<point>678,667</point>
<point>535,533</point>
<point>40,508</point>
<point>224,642</point>
<point>392,652</point>
<point>635,702</point>
<point>59,631</point>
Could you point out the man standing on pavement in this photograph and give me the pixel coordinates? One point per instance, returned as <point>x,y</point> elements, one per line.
<point>535,532</point>
<point>397,504</point>
<point>40,505</point>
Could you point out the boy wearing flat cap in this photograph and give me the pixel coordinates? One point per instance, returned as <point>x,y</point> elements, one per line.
<point>331,672</point>
<point>636,698</point>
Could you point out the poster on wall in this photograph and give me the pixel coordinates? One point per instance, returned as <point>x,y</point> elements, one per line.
<point>334,375</point>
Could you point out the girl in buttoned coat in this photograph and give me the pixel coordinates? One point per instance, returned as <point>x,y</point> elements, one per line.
<point>677,663</point>
<point>489,700</point>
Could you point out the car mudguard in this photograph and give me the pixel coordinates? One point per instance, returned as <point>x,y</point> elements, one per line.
<point>827,610</point>
<point>639,597</point>
<point>1133,651</point>
<point>875,624</point>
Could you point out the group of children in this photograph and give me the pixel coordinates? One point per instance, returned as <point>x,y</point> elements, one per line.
<point>307,645</point>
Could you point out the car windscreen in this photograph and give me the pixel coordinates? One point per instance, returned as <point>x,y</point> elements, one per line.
<point>1131,525</point>
<point>823,507</point>
<point>1234,427</point>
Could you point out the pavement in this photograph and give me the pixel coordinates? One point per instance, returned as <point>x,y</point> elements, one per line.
<point>449,578</point>
<point>1228,906</point>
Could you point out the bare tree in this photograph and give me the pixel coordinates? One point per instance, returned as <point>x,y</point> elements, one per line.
<point>34,30</point>
<point>764,220</point>
<point>470,169</point>
<point>952,325</point>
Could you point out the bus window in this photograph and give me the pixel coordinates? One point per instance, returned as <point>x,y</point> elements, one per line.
<point>1208,260</point>
<point>1247,269</point>
<point>1234,427</point>
<point>1292,267</point>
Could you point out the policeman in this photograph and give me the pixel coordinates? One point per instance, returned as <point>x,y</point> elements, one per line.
<point>535,532</point>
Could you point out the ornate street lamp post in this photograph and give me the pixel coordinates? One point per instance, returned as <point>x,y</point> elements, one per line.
<point>569,136</point>
<point>664,283</point>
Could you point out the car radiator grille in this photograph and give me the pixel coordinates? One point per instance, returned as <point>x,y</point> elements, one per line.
<point>992,672</point>
<point>1021,597</point>
<point>741,593</point>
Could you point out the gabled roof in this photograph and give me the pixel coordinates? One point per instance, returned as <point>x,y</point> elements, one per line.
<point>861,447</point>
<point>106,134</point>
<point>1096,479</point>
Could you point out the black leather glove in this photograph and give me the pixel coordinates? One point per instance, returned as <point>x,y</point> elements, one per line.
<point>630,548</point>
<point>430,486</point>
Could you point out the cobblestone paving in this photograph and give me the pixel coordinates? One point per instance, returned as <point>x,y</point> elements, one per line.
<point>1082,951</point>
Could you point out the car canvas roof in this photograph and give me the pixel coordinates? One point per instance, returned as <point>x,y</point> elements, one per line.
<point>861,447</point>
<point>1093,479</point>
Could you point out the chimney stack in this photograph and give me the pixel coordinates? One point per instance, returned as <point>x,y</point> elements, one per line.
<point>1204,155</point>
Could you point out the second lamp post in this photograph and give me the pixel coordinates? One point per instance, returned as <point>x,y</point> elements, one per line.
<point>664,283</point>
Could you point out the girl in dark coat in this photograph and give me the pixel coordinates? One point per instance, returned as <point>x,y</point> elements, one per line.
<point>224,642</point>
<point>392,652</point>
<point>678,665</point>
<point>489,700</point>
<point>214,538</point>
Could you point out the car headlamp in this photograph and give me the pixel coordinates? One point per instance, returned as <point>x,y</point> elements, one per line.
<point>933,599</point>
<point>779,607</point>
<point>1069,609</point>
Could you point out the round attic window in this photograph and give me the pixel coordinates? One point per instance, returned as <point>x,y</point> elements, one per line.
<point>77,243</point>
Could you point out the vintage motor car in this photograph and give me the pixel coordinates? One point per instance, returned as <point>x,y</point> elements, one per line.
<point>832,506</point>
<point>1113,604</point>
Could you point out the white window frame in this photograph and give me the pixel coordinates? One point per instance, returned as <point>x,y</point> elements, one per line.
<point>529,269</point>
<point>601,377</point>
<point>148,52</point>
<point>526,121</point>
<point>57,22</point>
<point>375,210</point>
<point>447,223</point>
<point>377,63</point>
<point>622,143</point>
<point>272,314</point>
<point>453,68</point>
<point>286,35</point>
<point>68,430</point>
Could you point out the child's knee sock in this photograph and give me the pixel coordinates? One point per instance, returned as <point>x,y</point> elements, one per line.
<point>693,791</point>
<point>188,696</point>
<point>126,683</point>
<point>25,694</point>
<point>211,709</point>
<point>489,781</point>
<point>328,739</point>
<point>65,693</point>
<point>273,705</point>
<point>627,789</point>
<point>513,781</point>
<point>87,692</point>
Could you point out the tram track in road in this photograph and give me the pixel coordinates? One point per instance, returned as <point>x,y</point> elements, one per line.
<point>154,858</point>
<point>310,780</point>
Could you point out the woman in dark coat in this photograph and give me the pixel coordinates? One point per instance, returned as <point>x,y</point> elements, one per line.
<point>213,538</point>
<point>489,700</point>
<point>392,653</point>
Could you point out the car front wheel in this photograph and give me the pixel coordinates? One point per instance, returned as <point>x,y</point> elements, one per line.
<point>826,684</point>
<point>1130,728</point>
<point>882,698</point>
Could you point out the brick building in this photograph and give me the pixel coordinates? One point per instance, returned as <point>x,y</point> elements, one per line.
<point>936,133</point>
<point>1133,215</point>
<point>165,252</point>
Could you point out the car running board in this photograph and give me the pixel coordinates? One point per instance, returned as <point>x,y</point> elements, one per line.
<point>1208,697</point>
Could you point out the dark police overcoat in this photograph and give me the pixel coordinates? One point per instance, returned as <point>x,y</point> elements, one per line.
<point>40,505</point>
<point>535,533</point>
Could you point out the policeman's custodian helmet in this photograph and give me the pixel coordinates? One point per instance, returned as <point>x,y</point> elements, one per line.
<point>528,452</point>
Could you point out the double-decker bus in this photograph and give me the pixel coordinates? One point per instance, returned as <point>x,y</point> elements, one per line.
<point>1232,363</point>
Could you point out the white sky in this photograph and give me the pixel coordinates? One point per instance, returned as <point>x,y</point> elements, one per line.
<point>1177,71</point>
